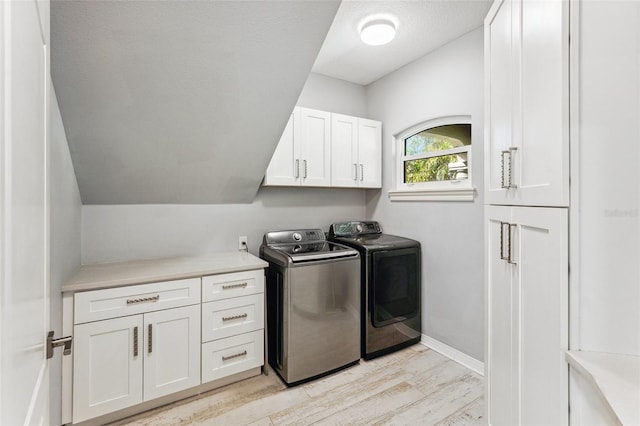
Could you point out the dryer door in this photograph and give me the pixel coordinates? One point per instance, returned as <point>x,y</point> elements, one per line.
<point>395,286</point>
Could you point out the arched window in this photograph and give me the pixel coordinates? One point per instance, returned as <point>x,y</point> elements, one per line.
<point>433,161</point>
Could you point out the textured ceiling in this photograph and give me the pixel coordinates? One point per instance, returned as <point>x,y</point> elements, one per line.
<point>422,26</point>
<point>179,101</point>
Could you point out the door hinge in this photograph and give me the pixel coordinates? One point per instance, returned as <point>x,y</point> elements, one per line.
<point>53,343</point>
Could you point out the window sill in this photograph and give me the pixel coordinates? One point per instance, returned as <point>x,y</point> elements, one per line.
<point>449,194</point>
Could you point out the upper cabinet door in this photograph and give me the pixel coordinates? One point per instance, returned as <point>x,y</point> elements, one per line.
<point>370,153</point>
<point>315,147</point>
<point>527,132</point>
<point>344,150</point>
<point>284,168</point>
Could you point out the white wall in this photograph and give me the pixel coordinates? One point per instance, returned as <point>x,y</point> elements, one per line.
<point>606,187</point>
<point>65,238</point>
<point>125,232</point>
<point>448,81</point>
<point>330,94</point>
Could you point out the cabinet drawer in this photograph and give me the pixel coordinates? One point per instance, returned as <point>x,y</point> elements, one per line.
<point>224,357</point>
<point>224,286</point>
<point>224,318</point>
<point>135,299</point>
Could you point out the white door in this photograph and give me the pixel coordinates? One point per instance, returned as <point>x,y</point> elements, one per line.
<point>344,150</point>
<point>315,147</point>
<point>284,168</point>
<point>541,253</point>
<point>171,351</point>
<point>24,227</point>
<point>500,362</point>
<point>499,101</point>
<point>541,162</point>
<point>370,153</point>
<point>107,372</point>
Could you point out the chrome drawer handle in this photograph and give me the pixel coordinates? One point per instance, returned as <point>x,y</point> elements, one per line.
<point>143,299</point>
<point>226,358</point>
<point>234,317</point>
<point>229,286</point>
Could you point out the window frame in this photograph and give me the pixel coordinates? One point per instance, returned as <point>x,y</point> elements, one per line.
<point>447,190</point>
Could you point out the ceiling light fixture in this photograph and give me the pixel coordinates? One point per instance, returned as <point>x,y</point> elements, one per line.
<point>377,32</point>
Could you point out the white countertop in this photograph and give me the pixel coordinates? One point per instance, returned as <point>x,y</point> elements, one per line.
<point>616,376</point>
<point>107,275</point>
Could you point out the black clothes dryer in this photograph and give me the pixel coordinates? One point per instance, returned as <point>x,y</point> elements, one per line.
<point>391,283</point>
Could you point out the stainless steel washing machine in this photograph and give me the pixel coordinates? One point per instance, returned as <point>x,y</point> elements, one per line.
<point>313,304</point>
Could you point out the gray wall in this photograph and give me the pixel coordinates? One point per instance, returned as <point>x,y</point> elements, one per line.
<point>449,81</point>
<point>65,238</point>
<point>125,232</point>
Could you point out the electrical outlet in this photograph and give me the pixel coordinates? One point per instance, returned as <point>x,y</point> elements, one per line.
<point>242,243</point>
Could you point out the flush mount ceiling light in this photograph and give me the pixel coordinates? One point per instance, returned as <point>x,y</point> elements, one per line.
<point>376,32</point>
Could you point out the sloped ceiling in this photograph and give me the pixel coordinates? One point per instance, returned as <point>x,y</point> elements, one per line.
<point>179,101</point>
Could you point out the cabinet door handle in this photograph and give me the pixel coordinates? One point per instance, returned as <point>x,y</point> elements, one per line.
<point>507,179</point>
<point>150,338</point>
<point>297,168</point>
<point>135,341</point>
<point>510,237</point>
<point>502,255</point>
<point>355,171</point>
<point>304,168</point>
<point>234,317</point>
<point>230,286</point>
<point>361,171</point>
<point>225,358</point>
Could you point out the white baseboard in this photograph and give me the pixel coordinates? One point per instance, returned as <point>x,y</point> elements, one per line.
<point>454,354</point>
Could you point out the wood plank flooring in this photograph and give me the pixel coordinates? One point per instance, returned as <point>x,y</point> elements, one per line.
<point>415,386</point>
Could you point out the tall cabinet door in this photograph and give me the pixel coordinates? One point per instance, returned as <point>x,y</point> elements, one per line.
<point>284,168</point>
<point>541,255</point>
<point>107,366</point>
<point>527,103</point>
<point>315,147</point>
<point>344,150</point>
<point>500,357</point>
<point>370,153</point>
<point>527,318</point>
<point>171,351</point>
<point>499,91</point>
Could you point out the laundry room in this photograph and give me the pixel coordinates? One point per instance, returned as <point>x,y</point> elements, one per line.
<point>333,212</point>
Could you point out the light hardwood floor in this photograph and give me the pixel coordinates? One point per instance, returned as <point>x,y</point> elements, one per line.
<point>415,386</point>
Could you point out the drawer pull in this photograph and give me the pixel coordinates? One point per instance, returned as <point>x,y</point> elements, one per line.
<point>143,299</point>
<point>230,286</point>
<point>234,317</point>
<point>226,358</point>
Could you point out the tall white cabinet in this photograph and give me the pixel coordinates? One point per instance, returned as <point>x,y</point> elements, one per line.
<point>527,103</point>
<point>526,219</point>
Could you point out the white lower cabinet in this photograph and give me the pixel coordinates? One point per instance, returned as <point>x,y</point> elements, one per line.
<point>137,343</point>
<point>527,318</point>
<point>224,357</point>
<point>107,372</point>
<point>124,361</point>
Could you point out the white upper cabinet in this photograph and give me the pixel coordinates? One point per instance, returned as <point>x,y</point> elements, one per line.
<point>319,148</point>
<point>355,152</point>
<point>284,168</point>
<point>303,154</point>
<point>527,103</point>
